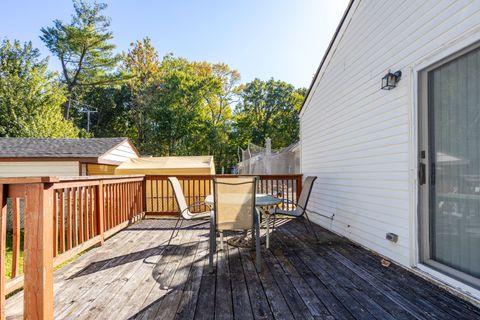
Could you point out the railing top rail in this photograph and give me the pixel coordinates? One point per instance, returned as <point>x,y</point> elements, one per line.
<point>220,175</point>
<point>24,180</point>
<point>106,177</point>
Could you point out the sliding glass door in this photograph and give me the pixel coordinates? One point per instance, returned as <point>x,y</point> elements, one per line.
<point>449,169</point>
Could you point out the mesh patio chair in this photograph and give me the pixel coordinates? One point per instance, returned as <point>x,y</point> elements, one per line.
<point>301,207</point>
<point>184,209</point>
<point>234,209</point>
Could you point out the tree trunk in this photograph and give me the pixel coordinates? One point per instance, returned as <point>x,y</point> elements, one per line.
<point>66,107</point>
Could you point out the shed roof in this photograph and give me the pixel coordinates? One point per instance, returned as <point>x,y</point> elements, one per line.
<point>57,148</point>
<point>168,163</point>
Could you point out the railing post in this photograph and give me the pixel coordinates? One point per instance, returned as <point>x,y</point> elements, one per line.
<point>299,186</point>
<point>3,238</point>
<point>38,255</point>
<point>99,209</point>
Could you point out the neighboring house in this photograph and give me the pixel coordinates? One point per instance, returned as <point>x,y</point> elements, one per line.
<point>23,157</point>
<point>405,161</point>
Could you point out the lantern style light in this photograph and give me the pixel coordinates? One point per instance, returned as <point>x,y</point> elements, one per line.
<point>389,81</point>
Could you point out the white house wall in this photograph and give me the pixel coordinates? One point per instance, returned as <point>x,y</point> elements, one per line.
<point>39,168</point>
<point>357,138</point>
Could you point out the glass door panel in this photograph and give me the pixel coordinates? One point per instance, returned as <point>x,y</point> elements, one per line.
<point>454,163</point>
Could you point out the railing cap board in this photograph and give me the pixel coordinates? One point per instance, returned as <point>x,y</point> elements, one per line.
<point>106,177</point>
<point>24,180</point>
<point>53,179</point>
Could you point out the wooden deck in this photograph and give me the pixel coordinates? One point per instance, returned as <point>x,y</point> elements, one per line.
<point>136,274</point>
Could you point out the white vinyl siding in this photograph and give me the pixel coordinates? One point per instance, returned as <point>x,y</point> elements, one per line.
<point>121,153</point>
<point>356,137</point>
<point>39,168</point>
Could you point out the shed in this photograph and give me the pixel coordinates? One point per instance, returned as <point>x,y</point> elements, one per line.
<point>194,165</point>
<point>21,157</point>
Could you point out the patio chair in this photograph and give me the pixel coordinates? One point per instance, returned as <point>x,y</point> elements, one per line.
<point>301,207</point>
<point>234,209</point>
<point>184,209</point>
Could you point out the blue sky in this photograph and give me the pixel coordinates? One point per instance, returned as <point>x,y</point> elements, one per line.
<point>283,39</point>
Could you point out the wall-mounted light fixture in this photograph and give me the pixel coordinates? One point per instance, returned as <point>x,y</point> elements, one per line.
<point>389,81</point>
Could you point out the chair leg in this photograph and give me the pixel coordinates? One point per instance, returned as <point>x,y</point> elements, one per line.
<point>180,226</point>
<point>173,231</point>
<point>213,243</point>
<point>253,237</point>
<point>311,226</point>
<point>221,241</point>
<point>267,222</point>
<point>257,245</point>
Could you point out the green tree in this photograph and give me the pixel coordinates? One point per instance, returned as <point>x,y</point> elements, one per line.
<point>218,115</point>
<point>83,48</point>
<point>114,116</point>
<point>30,96</point>
<point>268,109</point>
<point>176,112</point>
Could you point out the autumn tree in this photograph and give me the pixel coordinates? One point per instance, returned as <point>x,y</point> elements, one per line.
<point>84,49</point>
<point>30,95</point>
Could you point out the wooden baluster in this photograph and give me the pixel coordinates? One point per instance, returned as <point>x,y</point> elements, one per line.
<point>167,189</point>
<point>288,192</point>
<point>110,204</point>
<point>122,201</point>
<point>157,195</point>
<point>150,190</point>
<point>75,216</point>
<point>69,219</point>
<point>55,224</point>
<point>129,201</point>
<point>99,210</point>
<point>62,220</point>
<point>143,196</point>
<point>3,249</point>
<point>118,204</point>
<point>163,197</point>
<point>126,200</point>
<point>16,236</point>
<point>86,218</point>
<point>190,193</point>
<point>38,255</point>
<point>80,213</point>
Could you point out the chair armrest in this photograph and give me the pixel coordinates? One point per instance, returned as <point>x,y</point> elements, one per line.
<point>195,204</point>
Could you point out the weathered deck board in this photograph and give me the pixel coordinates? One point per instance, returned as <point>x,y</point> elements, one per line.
<point>141,274</point>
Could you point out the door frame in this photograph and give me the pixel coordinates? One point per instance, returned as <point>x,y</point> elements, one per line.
<point>418,73</point>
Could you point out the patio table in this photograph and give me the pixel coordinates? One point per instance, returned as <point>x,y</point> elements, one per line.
<point>262,201</point>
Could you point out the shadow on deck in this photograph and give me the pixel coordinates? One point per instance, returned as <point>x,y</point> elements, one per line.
<point>137,275</point>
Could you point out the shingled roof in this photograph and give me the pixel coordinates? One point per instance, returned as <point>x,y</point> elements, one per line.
<point>57,148</point>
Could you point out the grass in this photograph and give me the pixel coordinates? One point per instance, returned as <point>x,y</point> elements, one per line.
<point>9,255</point>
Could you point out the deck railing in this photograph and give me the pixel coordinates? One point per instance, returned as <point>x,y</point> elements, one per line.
<point>61,218</point>
<point>160,198</point>
<point>64,216</point>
